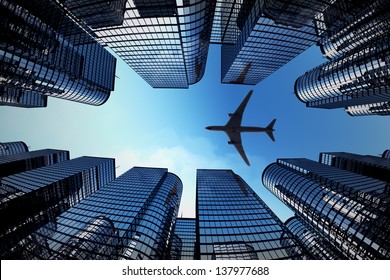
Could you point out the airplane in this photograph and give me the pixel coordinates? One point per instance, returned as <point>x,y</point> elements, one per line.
<point>233,128</point>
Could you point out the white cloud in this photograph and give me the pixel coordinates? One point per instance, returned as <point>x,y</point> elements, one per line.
<point>182,160</point>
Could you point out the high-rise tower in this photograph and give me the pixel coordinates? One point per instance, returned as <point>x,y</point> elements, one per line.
<point>34,198</point>
<point>46,51</point>
<point>130,218</point>
<point>165,42</point>
<point>25,161</point>
<point>234,223</point>
<point>347,209</point>
<point>357,75</point>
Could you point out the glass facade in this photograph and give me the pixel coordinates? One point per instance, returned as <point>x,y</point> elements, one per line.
<point>130,218</point>
<point>357,78</point>
<point>234,223</point>
<point>34,198</point>
<point>371,166</point>
<point>318,247</point>
<point>11,148</point>
<point>45,50</point>
<point>354,36</point>
<point>349,210</point>
<point>183,245</point>
<point>271,33</point>
<point>165,42</point>
<point>24,161</point>
<point>379,109</point>
<point>364,23</point>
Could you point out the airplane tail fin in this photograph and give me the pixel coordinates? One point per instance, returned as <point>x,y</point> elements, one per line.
<point>270,129</point>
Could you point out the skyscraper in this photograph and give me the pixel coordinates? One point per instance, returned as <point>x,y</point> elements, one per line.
<point>10,148</point>
<point>270,34</point>
<point>130,218</point>
<point>47,51</point>
<point>24,161</point>
<point>234,223</point>
<point>318,247</point>
<point>183,244</point>
<point>165,42</point>
<point>34,198</point>
<point>357,75</point>
<point>347,209</point>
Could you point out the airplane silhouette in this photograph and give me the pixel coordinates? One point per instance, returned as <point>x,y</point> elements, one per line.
<point>233,128</point>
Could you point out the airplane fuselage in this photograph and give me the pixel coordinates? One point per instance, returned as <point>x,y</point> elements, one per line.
<point>238,129</point>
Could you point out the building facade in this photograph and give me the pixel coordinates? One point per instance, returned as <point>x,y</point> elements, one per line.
<point>347,209</point>
<point>165,42</point>
<point>183,245</point>
<point>268,35</point>
<point>316,246</point>
<point>232,222</point>
<point>34,198</point>
<point>11,148</point>
<point>25,161</point>
<point>46,51</point>
<point>130,218</point>
<point>356,77</point>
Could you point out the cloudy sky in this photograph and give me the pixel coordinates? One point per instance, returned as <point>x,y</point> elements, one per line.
<point>142,126</point>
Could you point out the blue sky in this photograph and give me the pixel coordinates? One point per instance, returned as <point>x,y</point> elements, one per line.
<point>142,126</point>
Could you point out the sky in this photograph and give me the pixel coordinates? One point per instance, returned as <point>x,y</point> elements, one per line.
<point>142,126</point>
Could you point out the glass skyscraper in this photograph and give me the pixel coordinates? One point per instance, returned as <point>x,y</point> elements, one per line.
<point>34,198</point>
<point>270,34</point>
<point>24,161</point>
<point>10,148</point>
<point>183,244</point>
<point>234,223</point>
<point>46,51</point>
<point>332,197</point>
<point>131,217</point>
<point>165,42</point>
<point>356,77</point>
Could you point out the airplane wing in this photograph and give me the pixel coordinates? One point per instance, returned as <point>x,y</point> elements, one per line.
<point>236,118</point>
<point>235,139</point>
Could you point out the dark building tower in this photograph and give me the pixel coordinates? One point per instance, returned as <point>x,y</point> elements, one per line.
<point>266,35</point>
<point>34,198</point>
<point>370,166</point>
<point>11,148</point>
<point>318,247</point>
<point>357,77</point>
<point>234,223</point>
<point>20,162</point>
<point>347,209</point>
<point>46,51</point>
<point>183,245</point>
<point>130,218</point>
<point>166,43</point>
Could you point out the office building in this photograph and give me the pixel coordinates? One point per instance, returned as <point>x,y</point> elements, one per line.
<point>131,217</point>
<point>232,222</point>
<point>356,77</point>
<point>11,148</point>
<point>165,42</point>
<point>183,245</point>
<point>46,51</point>
<point>270,34</point>
<point>34,198</point>
<point>341,206</point>
<point>25,161</point>
<point>317,247</point>
<point>367,165</point>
